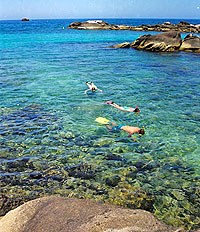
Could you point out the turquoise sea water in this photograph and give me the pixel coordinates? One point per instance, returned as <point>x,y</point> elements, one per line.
<point>48,123</point>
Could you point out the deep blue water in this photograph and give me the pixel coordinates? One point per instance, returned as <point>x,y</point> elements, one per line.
<point>46,66</point>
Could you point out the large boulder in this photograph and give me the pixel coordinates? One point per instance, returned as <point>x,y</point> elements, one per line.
<point>50,214</point>
<point>191,43</point>
<point>163,42</point>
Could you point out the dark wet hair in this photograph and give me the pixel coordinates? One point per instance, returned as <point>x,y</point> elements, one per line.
<point>141,131</point>
<point>93,89</point>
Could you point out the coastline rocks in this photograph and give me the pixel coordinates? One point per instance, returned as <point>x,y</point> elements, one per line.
<point>78,215</point>
<point>183,26</point>
<point>191,43</point>
<point>165,42</point>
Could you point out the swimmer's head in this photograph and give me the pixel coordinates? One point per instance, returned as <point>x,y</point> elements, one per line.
<point>141,132</point>
<point>93,89</point>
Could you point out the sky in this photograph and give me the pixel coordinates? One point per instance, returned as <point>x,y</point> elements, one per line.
<point>72,9</point>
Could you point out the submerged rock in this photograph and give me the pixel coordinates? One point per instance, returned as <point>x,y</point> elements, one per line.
<point>165,42</point>
<point>78,215</point>
<point>32,120</point>
<point>83,171</point>
<point>9,203</point>
<point>112,180</point>
<point>116,157</point>
<point>19,165</point>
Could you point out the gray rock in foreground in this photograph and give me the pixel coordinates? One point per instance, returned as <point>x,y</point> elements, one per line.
<point>50,214</point>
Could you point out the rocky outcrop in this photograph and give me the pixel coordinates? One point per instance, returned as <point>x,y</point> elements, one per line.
<point>191,43</point>
<point>183,26</point>
<point>122,45</point>
<point>50,214</point>
<point>164,42</point>
<point>90,24</point>
<point>25,19</point>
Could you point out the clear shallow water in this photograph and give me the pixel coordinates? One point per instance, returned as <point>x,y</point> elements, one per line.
<point>48,123</point>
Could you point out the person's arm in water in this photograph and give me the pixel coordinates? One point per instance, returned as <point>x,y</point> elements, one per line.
<point>115,105</point>
<point>128,109</point>
<point>110,127</point>
<point>99,90</point>
<point>134,140</point>
<point>89,84</point>
<point>122,108</point>
<point>87,90</point>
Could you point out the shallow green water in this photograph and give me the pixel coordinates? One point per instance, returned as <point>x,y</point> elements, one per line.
<point>51,144</point>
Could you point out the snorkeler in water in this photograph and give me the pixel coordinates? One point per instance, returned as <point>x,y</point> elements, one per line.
<point>130,129</point>
<point>92,87</point>
<point>124,108</point>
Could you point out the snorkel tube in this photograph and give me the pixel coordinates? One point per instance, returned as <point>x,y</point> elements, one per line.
<point>137,109</point>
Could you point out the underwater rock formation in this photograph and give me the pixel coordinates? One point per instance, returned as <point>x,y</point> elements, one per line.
<point>78,215</point>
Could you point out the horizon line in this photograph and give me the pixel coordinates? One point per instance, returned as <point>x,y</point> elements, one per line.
<point>19,19</point>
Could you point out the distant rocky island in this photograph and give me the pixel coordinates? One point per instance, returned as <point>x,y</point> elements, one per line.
<point>25,19</point>
<point>184,27</point>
